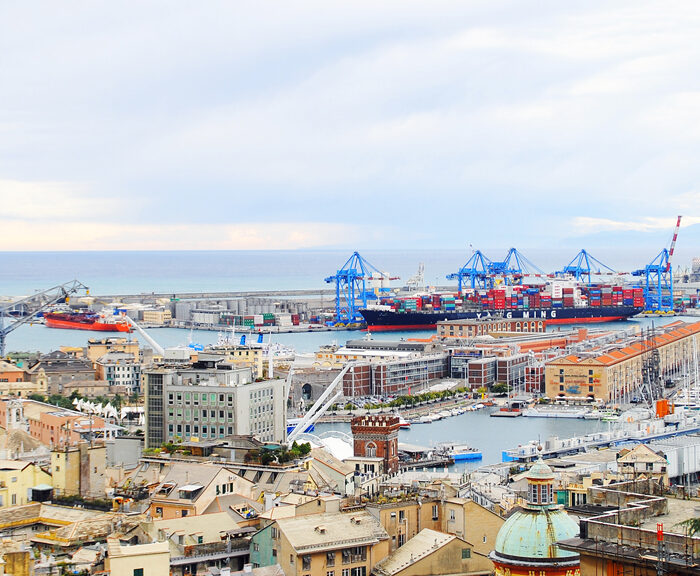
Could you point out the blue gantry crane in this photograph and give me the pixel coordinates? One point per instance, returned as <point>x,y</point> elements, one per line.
<point>351,288</point>
<point>583,266</point>
<point>474,274</point>
<point>658,279</point>
<point>514,267</point>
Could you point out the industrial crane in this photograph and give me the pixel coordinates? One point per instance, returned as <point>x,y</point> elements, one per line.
<point>351,286</point>
<point>474,274</point>
<point>658,275</point>
<point>513,267</point>
<point>584,265</point>
<point>30,306</point>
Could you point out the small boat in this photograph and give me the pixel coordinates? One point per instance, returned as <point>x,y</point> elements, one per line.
<point>403,423</point>
<point>444,414</point>
<point>459,452</point>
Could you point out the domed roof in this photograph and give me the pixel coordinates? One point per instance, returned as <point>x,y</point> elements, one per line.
<point>533,533</point>
<point>540,471</point>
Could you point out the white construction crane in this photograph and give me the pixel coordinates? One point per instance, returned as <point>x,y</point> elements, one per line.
<point>325,401</point>
<point>157,347</point>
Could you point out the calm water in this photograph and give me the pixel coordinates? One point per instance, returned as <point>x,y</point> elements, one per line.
<point>136,272</point>
<point>490,435</point>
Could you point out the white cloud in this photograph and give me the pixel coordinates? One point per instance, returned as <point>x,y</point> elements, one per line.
<point>21,235</point>
<point>583,225</point>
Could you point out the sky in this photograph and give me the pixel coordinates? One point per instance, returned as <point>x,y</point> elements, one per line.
<point>303,125</point>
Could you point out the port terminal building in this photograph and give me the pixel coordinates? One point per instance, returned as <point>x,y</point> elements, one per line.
<point>613,371</point>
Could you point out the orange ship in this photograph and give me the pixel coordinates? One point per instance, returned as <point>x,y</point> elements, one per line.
<point>85,321</point>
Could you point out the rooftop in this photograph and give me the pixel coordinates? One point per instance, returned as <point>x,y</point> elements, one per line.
<point>421,545</point>
<point>329,531</point>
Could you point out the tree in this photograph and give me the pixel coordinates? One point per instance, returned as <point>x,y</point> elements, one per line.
<point>500,388</point>
<point>692,525</point>
<point>37,397</point>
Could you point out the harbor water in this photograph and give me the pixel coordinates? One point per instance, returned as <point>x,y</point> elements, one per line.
<point>490,435</point>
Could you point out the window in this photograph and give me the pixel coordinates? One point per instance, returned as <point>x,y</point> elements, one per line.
<point>274,553</point>
<point>359,571</point>
<point>466,553</point>
<point>274,532</point>
<point>330,573</point>
<point>330,558</point>
<point>159,511</point>
<point>291,559</point>
<point>256,547</point>
<point>452,515</point>
<point>14,499</point>
<point>346,571</point>
<point>306,562</point>
<point>184,513</point>
<point>435,512</point>
<point>402,515</point>
<point>200,540</point>
<point>138,571</point>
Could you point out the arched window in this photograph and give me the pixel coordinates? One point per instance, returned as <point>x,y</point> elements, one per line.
<point>370,450</point>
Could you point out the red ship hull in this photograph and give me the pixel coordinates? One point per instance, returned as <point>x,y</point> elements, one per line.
<point>94,325</point>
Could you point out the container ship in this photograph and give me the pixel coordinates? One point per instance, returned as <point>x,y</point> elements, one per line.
<point>86,321</point>
<point>556,303</point>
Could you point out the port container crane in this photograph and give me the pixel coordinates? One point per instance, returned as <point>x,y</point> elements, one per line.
<point>30,306</point>
<point>584,266</point>
<point>514,267</point>
<point>658,279</point>
<point>474,274</point>
<point>351,287</point>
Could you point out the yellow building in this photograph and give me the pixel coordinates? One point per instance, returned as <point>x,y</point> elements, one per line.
<point>404,519</point>
<point>139,560</point>
<point>430,553</point>
<point>98,348</point>
<point>157,317</point>
<point>337,544</point>
<point>242,356</point>
<point>79,471</point>
<point>472,522</point>
<point>17,478</point>
<point>610,373</point>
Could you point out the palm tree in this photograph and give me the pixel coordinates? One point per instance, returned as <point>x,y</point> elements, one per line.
<point>692,525</point>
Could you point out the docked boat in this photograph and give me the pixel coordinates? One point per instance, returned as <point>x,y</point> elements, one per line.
<point>553,412</point>
<point>86,321</point>
<point>459,452</point>
<point>557,302</point>
<point>292,424</point>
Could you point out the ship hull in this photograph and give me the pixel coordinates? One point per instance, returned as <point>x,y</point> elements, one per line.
<point>92,326</point>
<point>385,320</point>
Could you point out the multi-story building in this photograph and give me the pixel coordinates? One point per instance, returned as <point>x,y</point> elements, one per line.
<point>53,426</point>
<point>157,316</point>
<point>336,544</point>
<point>119,369</point>
<point>377,436</point>
<point>473,327</point>
<point>211,398</point>
<point>17,479</point>
<point>98,348</point>
<point>57,368</point>
<point>616,371</point>
<point>14,383</point>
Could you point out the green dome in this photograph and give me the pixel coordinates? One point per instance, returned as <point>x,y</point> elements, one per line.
<point>532,533</point>
<point>540,471</point>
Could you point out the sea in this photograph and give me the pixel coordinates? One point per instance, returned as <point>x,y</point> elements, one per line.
<point>115,272</point>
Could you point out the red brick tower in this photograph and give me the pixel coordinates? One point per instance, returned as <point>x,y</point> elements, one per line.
<point>377,436</point>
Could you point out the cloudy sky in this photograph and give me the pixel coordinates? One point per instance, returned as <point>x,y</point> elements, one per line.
<point>245,125</point>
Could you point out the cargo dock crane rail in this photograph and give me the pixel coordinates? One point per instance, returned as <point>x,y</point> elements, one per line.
<point>351,286</point>
<point>584,265</point>
<point>38,302</point>
<point>658,275</point>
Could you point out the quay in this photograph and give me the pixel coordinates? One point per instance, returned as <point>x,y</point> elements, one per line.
<point>643,431</point>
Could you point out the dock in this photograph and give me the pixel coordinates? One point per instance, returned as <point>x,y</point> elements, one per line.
<point>640,431</point>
